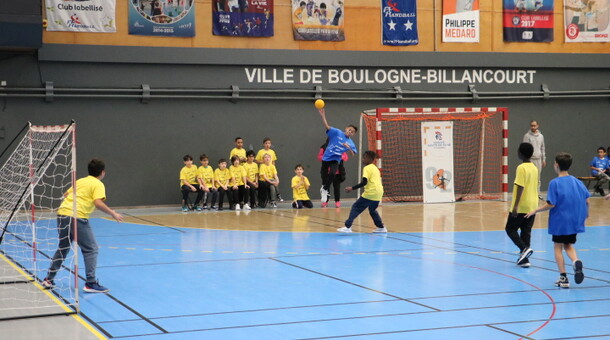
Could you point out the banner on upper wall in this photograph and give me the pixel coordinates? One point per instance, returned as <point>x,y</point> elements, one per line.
<point>437,161</point>
<point>81,16</point>
<point>242,18</point>
<point>461,21</point>
<point>170,18</point>
<point>318,20</point>
<point>587,20</point>
<point>399,22</point>
<point>528,20</point>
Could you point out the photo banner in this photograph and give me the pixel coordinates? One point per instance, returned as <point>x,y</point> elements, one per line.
<point>587,20</point>
<point>83,16</point>
<point>528,20</point>
<point>242,18</point>
<point>461,21</point>
<point>168,18</point>
<point>437,161</point>
<point>318,20</point>
<point>399,22</point>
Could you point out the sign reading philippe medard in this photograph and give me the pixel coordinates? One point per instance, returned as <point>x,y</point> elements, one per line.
<point>81,16</point>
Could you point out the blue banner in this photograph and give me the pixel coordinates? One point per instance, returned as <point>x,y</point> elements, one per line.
<point>242,18</point>
<point>399,22</point>
<point>172,18</point>
<point>528,20</point>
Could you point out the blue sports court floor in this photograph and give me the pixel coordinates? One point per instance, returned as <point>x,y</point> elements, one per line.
<point>189,283</point>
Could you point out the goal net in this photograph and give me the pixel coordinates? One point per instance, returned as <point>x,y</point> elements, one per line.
<point>479,148</point>
<point>38,169</point>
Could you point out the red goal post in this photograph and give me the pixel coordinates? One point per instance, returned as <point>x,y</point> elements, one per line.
<point>480,150</point>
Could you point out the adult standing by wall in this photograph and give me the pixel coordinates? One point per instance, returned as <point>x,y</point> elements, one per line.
<point>535,137</point>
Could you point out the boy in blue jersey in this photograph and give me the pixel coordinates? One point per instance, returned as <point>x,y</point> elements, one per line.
<point>568,200</point>
<point>338,143</point>
<point>600,167</point>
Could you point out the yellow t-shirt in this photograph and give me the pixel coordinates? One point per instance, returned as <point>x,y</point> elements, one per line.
<point>526,177</point>
<point>241,153</point>
<point>261,153</point>
<point>222,176</point>
<point>207,175</point>
<point>238,173</point>
<point>373,190</point>
<point>299,193</point>
<point>189,175</point>
<point>88,189</point>
<point>251,171</point>
<point>268,170</point>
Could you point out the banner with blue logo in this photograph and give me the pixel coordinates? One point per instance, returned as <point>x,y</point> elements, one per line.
<point>399,22</point>
<point>528,20</point>
<point>242,18</point>
<point>81,16</point>
<point>172,18</point>
<point>437,161</point>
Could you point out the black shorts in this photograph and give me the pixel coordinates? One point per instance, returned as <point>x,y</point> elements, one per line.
<point>564,238</point>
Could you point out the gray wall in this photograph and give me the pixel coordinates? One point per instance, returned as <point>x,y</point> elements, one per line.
<point>143,143</point>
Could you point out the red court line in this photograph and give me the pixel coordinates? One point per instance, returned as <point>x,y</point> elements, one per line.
<point>553,304</point>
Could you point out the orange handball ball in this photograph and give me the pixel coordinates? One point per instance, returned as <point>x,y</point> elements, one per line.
<point>319,104</point>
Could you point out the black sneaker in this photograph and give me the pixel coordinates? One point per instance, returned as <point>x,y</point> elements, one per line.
<point>602,192</point>
<point>527,252</point>
<point>95,287</point>
<point>562,282</point>
<point>526,264</point>
<point>579,276</point>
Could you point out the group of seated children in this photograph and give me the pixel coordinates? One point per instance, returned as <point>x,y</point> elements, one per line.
<point>248,182</point>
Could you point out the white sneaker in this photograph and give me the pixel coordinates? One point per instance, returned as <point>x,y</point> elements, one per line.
<point>323,195</point>
<point>380,230</point>
<point>344,230</point>
<point>247,207</point>
<point>237,207</point>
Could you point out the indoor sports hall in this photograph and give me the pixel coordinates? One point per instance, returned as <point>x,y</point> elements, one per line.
<point>446,270</point>
<point>444,92</point>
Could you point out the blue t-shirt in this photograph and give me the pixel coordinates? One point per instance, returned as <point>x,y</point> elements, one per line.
<point>569,197</point>
<point>335,148</point>
<point>599,163</point>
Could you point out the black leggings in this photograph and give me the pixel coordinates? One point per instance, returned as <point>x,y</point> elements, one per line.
<point>337,179</point>
<point>186,190</point>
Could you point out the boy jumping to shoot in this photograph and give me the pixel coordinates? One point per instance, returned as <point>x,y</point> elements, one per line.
<point>568,200</point>
<point>373,191</point>
<point>338,143</point>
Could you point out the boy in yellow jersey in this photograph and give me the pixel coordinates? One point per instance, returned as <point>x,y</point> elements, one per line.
<point>240,190</point>
<point>266,150</point>
<point>90,194</point>
<point>268,182</point>
<point>370,198</point>
<point>525,199</point>
<point>259,159</point>
<point>223,182</point>
<point>300,185</point>
<point>251,176</point>
<point>239,150</point>
<point>205,176</point>
<point>189,183</point>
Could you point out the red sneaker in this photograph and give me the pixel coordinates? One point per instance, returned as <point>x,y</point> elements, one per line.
<point>337,204</point>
